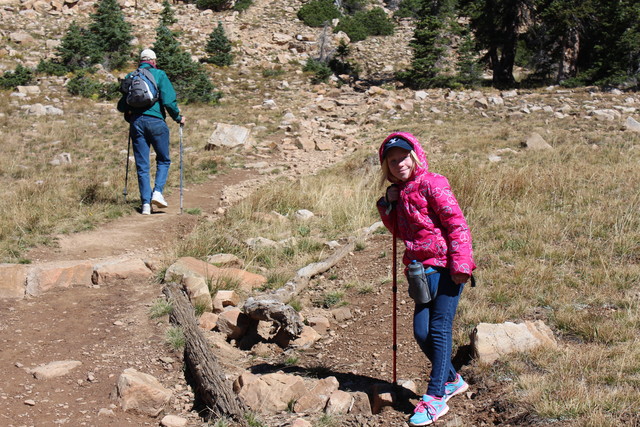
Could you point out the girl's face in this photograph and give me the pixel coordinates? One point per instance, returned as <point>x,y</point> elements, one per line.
<point>400,163</point>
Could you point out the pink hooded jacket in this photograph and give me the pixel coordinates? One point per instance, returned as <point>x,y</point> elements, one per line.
<point>428,217</point>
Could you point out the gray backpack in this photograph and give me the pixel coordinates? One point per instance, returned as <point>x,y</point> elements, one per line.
<point>140,89</point>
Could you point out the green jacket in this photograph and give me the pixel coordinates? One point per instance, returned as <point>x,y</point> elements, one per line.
<point>166,100</point>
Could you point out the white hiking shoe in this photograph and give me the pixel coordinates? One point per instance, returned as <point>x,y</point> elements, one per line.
<point>158,200</point>
<point>146,209</point>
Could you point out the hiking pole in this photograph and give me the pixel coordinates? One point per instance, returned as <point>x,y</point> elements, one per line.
<point>181,173</point>
<point>394,275</point>
<point>126,173</point>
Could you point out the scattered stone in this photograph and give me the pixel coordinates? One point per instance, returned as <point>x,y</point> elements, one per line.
<point>317,397</point>
<point>54,369</point>
<point>30,402</point>
<point>61,159</point>
<point>198,292</point>
<point>224,299</point>
<point>233,323</point>
<point>225,260</point>
<point>229,136</point>
<point>120,269</point>
<point>383,395</point>
<point>141,393</point>
<point>13,281</point>
<point>173,421</point>
<point>536,142</point>
<point>632,124</point>
<point>341,314</point>
<point>339,403</point>
<point>304,215</point>
<point>490,341</point>
<point>361,404</point>
<point>64,274</point>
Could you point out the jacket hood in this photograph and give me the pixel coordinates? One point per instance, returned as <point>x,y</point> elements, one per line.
<point>417,148</point>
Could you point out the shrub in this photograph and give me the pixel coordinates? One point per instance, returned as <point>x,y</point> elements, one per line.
<point>76,48</point>
<point>21,76</point>
<point>376,22</point>
<point>320,70</point>
<point>51,68</point>
<point>218,47</point>
<point>352,6</point>
<point>353,27</point>
<point>408,9</point>
<point>242,5</point>
<point>84,86</point>
<point>215,5</point>
<point>316,13</point>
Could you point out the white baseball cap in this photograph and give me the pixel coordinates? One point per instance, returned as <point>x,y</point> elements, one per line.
<point>147,55</point>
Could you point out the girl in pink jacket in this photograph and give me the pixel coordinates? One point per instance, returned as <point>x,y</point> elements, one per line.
<point>420,208</point>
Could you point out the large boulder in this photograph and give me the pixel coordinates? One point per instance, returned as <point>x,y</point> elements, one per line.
<point>490,341</point>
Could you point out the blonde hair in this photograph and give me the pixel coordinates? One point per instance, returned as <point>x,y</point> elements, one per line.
<point>386,175</point>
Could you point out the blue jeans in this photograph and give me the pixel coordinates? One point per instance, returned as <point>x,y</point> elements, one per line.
<point>147,131</point>
<point>433,329</point>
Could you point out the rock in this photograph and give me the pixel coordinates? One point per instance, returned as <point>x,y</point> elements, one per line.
<point>54,369</point>
<point>229,136</point>
<point>304,215</point>
<point>233,323</point>
<point>339,403</point>
<point>64,274</point>
<point>632,125</point>
<point>120,269</point>
<point>61,159</point>
<point>341,314</point>
<point>219,277</point>
<point>280,38</point>
<point>13,281</point>
<point>29,90</point>
<point>224,299</point>
<point>316,398</point>
<point>173,421</point>
<point>361,404</point>
<point>536,142</point>
<point>208,321</point>
<point>307,338</point>
<point>141,393</point>
<point>490,341</point>
<point>198,292</point>
<point>319,323</point>
<point>299,422</point>
<point>269,393</point>
<point>225,260</point>
<point>383,395</point>
<point>21,37</point>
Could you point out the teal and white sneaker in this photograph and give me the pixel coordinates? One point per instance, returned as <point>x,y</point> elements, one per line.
<point>428,410</point>
<point>455,387</point>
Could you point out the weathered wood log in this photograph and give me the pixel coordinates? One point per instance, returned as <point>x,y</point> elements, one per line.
<point>275,311</point>
<point>212,386</point>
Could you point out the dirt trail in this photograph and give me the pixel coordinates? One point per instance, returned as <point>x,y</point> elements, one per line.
<point>140,234</point>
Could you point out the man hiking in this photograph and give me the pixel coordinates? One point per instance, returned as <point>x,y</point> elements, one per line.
<point>147,126</point>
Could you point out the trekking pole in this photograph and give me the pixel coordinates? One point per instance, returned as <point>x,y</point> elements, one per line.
<point>126,173</point>
<point>181,173</point>
<point>394,275</point>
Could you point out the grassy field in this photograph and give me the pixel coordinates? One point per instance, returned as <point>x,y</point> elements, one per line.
<point>557,238</point>
<point>556,232</point>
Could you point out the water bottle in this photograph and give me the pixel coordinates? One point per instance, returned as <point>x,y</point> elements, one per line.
<point>418,284</point>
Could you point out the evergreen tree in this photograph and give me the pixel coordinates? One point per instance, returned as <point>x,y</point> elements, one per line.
<point>189,78</point>
<point>111,34</point>
<point>469,73</point>
<point>76,48</point>
<point>167,16</point>
<point>496,24</point>
<point>429,46</point>
<point>218,47</point>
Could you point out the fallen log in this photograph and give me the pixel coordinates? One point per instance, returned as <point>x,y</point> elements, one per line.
<point>211,387</point>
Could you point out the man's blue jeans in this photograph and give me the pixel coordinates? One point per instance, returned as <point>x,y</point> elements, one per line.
<point>147,131</point>
<point>433,330</point>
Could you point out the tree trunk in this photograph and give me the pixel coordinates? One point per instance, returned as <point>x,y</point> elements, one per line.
<point>568,66</point>
<point>211,385</point>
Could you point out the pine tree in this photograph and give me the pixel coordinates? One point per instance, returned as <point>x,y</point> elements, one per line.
<point>189,78</point>
<point>76,48</point>
<point>429,45</point>
<point>167,16</point>
<point>218,47</point>
<point>111,34</point>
